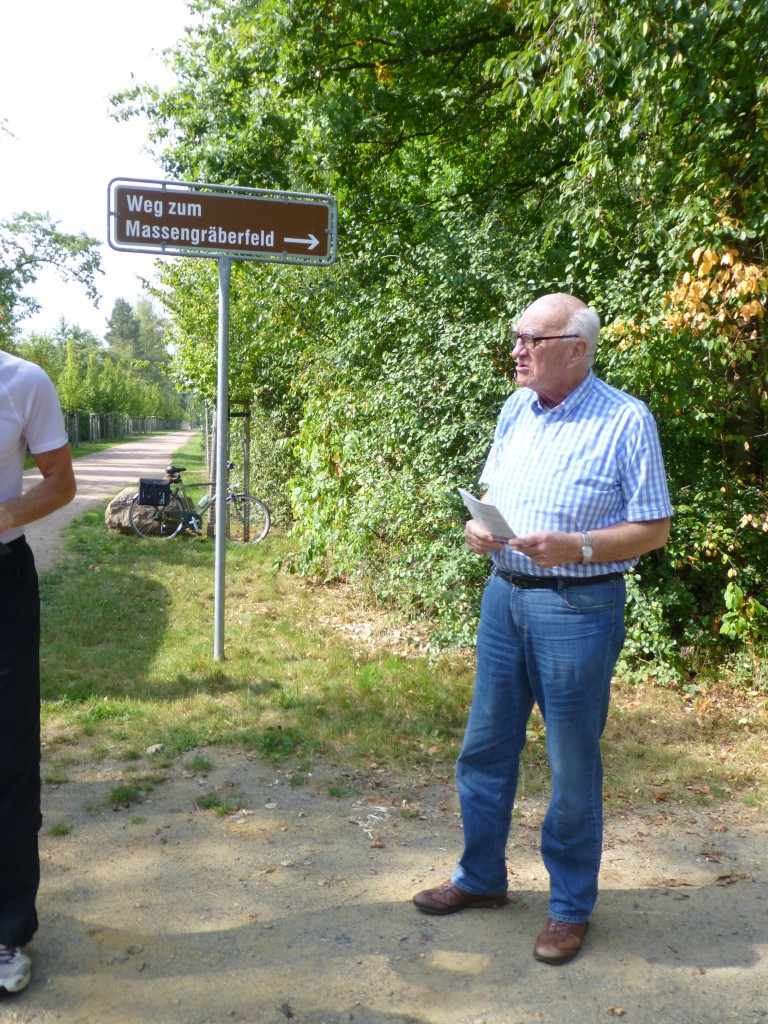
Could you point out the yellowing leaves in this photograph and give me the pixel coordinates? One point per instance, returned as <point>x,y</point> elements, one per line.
<point>627,332</point>
<point>722,289</point>
<point>750,309</point>
<point>706,258</point>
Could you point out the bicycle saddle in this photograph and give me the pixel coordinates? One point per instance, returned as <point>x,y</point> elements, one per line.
<point>173,470</point>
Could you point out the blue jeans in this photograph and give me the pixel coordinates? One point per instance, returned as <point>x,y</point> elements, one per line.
<point>557,648</point>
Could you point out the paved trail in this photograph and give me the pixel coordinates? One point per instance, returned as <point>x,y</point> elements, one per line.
<point>99,477</point>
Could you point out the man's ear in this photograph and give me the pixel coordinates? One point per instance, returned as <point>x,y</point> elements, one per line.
<point>579,350</point>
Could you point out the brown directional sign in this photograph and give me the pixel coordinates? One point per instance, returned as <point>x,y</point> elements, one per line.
<point>181,219</point>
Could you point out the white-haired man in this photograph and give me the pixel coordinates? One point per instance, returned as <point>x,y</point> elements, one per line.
<point>576,469</point>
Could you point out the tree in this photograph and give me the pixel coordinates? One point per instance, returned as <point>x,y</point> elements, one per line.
<point>122,336</point>
<point>484,153</point>
<point>152,341</point>
<point>85,341</point>
<point>137,337</point>
<point>29,242</point>
<point>70,382</point>
<point>44,350</point>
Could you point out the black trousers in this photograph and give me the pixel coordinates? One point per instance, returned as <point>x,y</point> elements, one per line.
<point>20,816</point>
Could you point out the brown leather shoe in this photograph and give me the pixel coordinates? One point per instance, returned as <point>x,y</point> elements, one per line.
<point>559,941</point>
<point>449,898</point>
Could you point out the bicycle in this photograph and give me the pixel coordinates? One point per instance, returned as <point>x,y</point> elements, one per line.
<point>163,508</point>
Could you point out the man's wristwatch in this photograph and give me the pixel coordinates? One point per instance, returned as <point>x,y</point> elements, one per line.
<point>586,548</point>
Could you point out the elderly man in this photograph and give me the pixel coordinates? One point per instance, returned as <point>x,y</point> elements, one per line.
<point>577,472</point>
<point>30,417</point>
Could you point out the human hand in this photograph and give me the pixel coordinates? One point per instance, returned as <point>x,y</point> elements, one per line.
<point>548,548</point>
<point>479,540</point>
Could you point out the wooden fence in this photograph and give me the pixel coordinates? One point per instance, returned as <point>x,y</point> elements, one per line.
<point>96,426</point>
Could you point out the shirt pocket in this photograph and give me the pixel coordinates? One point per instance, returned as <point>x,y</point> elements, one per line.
<point>584,484</point>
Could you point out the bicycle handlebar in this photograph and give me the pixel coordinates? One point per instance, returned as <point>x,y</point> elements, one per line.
<point>175,470</point>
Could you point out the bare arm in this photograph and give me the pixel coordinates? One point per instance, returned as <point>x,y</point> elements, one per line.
<point>57,488</point>
<point>615,543</point>
<point>548,548</point>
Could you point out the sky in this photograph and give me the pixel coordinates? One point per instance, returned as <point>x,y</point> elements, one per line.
<point>59,62</point>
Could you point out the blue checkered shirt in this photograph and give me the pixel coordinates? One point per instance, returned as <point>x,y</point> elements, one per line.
<point>592,461</point>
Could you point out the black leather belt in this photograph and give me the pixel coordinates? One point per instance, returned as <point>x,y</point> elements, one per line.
<point>12,545</point>
<point>524,582</point>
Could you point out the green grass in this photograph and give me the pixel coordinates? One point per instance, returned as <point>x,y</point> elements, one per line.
<point>128,663</point>
<point>127,794</point>
<point>223,801</point>
<point>59,829</point>
<point>128,659</point>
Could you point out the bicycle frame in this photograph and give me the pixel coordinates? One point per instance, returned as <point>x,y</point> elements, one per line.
<point>192,509</point>
<point>247,517</point>
<point>195,509</point>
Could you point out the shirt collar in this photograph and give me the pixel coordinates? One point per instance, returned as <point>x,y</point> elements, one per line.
<point>569,404</point>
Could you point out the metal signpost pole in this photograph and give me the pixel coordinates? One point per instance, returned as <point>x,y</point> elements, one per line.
<point>222,430</point>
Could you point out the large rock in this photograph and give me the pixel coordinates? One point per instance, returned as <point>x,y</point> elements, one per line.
<point>116,516</point>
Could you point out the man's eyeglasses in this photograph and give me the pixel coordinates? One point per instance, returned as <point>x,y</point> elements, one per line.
<point>530,341</point>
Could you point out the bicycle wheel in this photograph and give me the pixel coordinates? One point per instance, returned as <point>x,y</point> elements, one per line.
<point>156,523</point>
<point>248,519</point>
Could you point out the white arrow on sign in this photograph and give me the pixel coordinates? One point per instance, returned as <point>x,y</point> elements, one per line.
<point>311,242</point>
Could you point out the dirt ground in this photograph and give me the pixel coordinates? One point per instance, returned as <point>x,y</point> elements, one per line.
<point>297,907</point>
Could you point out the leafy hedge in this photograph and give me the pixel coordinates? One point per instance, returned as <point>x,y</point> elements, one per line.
<point>483,154</point>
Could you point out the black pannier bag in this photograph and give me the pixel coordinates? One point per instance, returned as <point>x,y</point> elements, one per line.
<point>154,492</point>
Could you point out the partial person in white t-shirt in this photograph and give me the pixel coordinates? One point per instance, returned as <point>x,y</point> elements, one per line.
<point>30,419</point>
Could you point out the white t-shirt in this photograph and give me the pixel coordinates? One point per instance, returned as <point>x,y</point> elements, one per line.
<point>30,416</point>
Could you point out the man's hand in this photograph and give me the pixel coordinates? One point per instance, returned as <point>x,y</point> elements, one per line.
<point>548,548</point>
<point>479,540</point>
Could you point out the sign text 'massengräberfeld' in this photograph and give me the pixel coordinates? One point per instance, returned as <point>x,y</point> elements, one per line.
<point>278,226</point>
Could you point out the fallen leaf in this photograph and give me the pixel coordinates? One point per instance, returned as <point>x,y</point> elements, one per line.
<point>668,883</point>
<point>728,878</point>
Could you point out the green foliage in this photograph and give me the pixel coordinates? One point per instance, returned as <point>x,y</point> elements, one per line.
<point>649,646</point>
<point>122,335</point>
<point>127,794</point>
<point>129,379</point>
<point>271,463</point>
<point>222,802</point>
<point>29,242</point>
<point>277,743</point>
<point>746,618</point>
<point>59,829</point>
<point>482,154</point>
